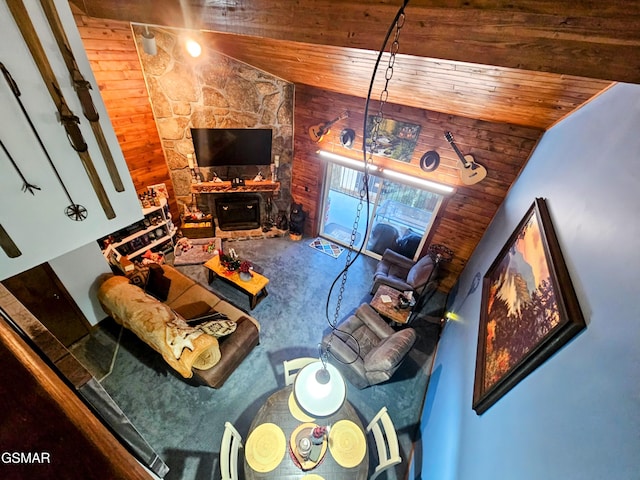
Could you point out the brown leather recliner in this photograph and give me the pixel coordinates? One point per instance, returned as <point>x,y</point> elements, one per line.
<point>402,273</point>
<point>368,350</point>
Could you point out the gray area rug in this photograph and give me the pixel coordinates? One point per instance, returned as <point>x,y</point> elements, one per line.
<point>184,422</point>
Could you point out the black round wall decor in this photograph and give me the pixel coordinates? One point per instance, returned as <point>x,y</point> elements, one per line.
<point>347,136</point>
<point>430,161</point>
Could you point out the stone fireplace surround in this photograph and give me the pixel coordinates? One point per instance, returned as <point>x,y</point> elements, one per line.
<point>220,92</point>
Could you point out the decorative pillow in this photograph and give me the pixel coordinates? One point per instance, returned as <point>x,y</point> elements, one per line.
<point>139,276</point>
<point>218,328</point>
<point>157,284</point>
<point>193,311</point>
<point>207,317</point>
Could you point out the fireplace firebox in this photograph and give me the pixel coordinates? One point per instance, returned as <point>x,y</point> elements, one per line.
<point>238,212</point>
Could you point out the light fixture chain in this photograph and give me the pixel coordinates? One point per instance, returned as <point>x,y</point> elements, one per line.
<point>377,120</point>
<point>384,94</point>
<point>352,240</point>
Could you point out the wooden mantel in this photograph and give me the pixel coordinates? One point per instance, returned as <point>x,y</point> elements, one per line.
<point>226,187</point>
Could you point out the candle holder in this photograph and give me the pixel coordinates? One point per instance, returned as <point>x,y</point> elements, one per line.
<point>274,168</point>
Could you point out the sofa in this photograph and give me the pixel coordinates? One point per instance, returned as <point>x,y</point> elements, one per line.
<point>166,318</point>
<point>368,350</point>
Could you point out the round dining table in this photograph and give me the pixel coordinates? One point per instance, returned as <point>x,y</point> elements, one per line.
<point>279,418</point>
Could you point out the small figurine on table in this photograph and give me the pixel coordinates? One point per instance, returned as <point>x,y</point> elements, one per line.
<point>317,436</point>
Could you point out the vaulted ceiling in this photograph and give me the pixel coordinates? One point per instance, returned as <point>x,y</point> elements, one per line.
<point>497,72</point>
<point>526,62</point>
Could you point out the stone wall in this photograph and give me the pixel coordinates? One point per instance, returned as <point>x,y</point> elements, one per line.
<point>214,91</point>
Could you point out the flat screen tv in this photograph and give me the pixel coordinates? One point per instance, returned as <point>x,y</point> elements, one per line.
<point>216,147</point>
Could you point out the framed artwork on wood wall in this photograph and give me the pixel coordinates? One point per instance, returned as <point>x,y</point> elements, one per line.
<point>529,308</point>
<point>396,139</point>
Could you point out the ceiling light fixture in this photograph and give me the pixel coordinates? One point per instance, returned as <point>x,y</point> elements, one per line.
<point>346,161</point>
<point>387,173</point>
<point>319,389</point>
<point>193,47</point>
<point>418,182</point>
<point>149,42</point>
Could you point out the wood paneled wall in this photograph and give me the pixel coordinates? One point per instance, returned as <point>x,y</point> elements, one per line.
<point>501,148</point>
<point>114,60</point>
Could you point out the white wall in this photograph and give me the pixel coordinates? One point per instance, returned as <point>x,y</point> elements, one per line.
<point>578,415</point>
<point>37,223</point>
<point>80,271</point>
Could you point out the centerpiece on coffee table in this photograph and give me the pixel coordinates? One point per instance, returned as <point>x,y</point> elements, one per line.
<point>244,271</point>
<point>230,261</point>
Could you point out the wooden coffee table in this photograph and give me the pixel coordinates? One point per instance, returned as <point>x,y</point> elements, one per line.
<point>256,288</point>
<point>391,310</point>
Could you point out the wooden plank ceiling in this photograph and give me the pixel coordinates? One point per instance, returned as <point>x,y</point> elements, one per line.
<point>528,62</point>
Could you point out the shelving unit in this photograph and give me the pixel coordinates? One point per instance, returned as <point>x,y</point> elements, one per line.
<point>152,232</point>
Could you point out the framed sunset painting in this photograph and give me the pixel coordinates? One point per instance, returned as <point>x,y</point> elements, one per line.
<point>529,308</point>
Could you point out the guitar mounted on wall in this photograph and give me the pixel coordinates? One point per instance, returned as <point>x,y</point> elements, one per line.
<point>317,132</point>
<point>471,172</point>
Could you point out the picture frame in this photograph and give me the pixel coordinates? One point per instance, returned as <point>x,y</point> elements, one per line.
<point>529,308</point>
<point>396,139</point>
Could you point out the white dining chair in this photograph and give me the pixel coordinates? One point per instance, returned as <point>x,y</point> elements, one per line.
<point>231,443</point>
<point>386,441</point>
<point>292,367</point>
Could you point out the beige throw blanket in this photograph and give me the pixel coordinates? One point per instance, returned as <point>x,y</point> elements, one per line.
<point>182,346</point>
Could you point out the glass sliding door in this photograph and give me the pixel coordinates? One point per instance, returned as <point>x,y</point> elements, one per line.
<point>341,203</point>
<point>400,215</point>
